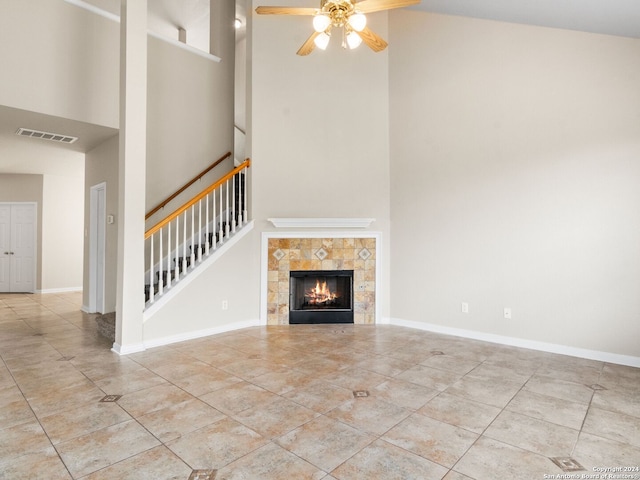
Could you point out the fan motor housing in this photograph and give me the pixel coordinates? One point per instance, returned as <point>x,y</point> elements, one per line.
<point>338,10</point>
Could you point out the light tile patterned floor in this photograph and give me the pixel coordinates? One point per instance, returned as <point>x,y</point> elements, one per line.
<point>279,403</point>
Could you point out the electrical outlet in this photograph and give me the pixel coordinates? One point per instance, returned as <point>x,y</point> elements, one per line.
<point>465,307</point>
<point>507,313</point>
<point>225,305</point>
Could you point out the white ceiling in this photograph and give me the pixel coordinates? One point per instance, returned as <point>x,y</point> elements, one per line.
<point>611,17</point>
<point>165,17</point>
<point>33,155</point>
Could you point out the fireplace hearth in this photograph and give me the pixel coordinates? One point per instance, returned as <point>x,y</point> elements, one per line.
<point>320,296</point>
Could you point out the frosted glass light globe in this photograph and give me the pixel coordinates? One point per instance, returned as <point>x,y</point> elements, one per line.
<point>320,23</point>
<point>357,21</point>
<point>322,41</point>
<point>353,40</point>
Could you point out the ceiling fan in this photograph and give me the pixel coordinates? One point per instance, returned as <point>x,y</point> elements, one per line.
<point>345,14</point>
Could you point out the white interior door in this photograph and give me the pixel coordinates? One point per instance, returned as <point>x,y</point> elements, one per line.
<point>23,247</point>
<point>18,247</point>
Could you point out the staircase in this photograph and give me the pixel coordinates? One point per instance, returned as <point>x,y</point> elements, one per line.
<point>177,245</point>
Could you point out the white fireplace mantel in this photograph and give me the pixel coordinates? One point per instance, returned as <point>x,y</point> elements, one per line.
<point>321,222</point>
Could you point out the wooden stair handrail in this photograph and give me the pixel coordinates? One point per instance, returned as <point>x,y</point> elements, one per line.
<point>196,199</point>
<point>187,185</point>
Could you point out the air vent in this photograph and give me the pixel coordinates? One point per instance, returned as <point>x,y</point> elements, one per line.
<point>54,137</point>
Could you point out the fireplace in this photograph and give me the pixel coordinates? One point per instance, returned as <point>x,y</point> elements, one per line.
<point>320,296</point>
<point>284,254</point>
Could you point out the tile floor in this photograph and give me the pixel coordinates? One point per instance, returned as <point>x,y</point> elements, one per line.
<point>300,402</point>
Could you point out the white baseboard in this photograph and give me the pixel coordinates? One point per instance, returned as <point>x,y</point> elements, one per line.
<point>127,349</point>
<point>60,290</point>
<point>520,342</point>
<point>158,342</point>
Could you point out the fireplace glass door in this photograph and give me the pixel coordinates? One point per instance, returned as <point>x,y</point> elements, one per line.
<point>321,296</point>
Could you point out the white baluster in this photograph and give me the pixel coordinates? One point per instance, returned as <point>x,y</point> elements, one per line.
<point>199,229</point>
<point>206,223</point>
<point>177,267</point>
<point>160,282</point>
<point>169,255</point>
<point>221,217</point>
<point>151,271</point>
<point>213,220</point>
<point>226,194</point>
<point>233,200</point>
<point>245,211</point>
<point>184,243</point>
<point>193,247</point>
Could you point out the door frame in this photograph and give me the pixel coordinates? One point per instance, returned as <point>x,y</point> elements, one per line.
<point>97,244</point>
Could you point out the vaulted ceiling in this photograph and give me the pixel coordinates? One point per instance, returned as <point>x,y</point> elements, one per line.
<point>611,17</point>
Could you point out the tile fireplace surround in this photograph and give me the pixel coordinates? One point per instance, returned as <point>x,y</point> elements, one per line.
<point>322,253</point>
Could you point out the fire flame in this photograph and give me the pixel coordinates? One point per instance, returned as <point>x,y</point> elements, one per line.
<point>320,294</point>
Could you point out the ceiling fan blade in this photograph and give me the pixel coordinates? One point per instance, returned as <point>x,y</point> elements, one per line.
<point>308,46</point>
<point>286,11</point>
<point>373,40</point>
<point>369,6</point>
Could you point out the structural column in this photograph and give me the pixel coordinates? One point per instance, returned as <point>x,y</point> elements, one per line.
<point>132,181</point>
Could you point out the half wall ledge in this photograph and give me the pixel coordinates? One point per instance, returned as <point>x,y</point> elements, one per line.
<point>321,222</point>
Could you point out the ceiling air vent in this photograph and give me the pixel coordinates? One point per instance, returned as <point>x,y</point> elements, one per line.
<point>54,137</point>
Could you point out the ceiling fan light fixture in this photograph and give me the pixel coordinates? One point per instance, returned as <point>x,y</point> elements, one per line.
<point>322,41</point>
<point>321,22</point>
<point>357,21</point>
<point>353,40</point>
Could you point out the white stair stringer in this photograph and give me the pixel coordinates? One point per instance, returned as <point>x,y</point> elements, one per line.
<point>193,273</point>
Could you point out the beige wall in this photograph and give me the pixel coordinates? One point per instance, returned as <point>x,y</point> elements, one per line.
<point>514,154</point>
<point>63,61</point>
<point>320,128</point>
<point>189,119</point>
<point>197,309</point>
<point>62,231</point>
<point>309,132</point>
<point>60,213</point>
<point>101,166</point>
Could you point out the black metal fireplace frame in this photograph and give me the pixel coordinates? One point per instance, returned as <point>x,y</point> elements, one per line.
<point>317,316</point>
